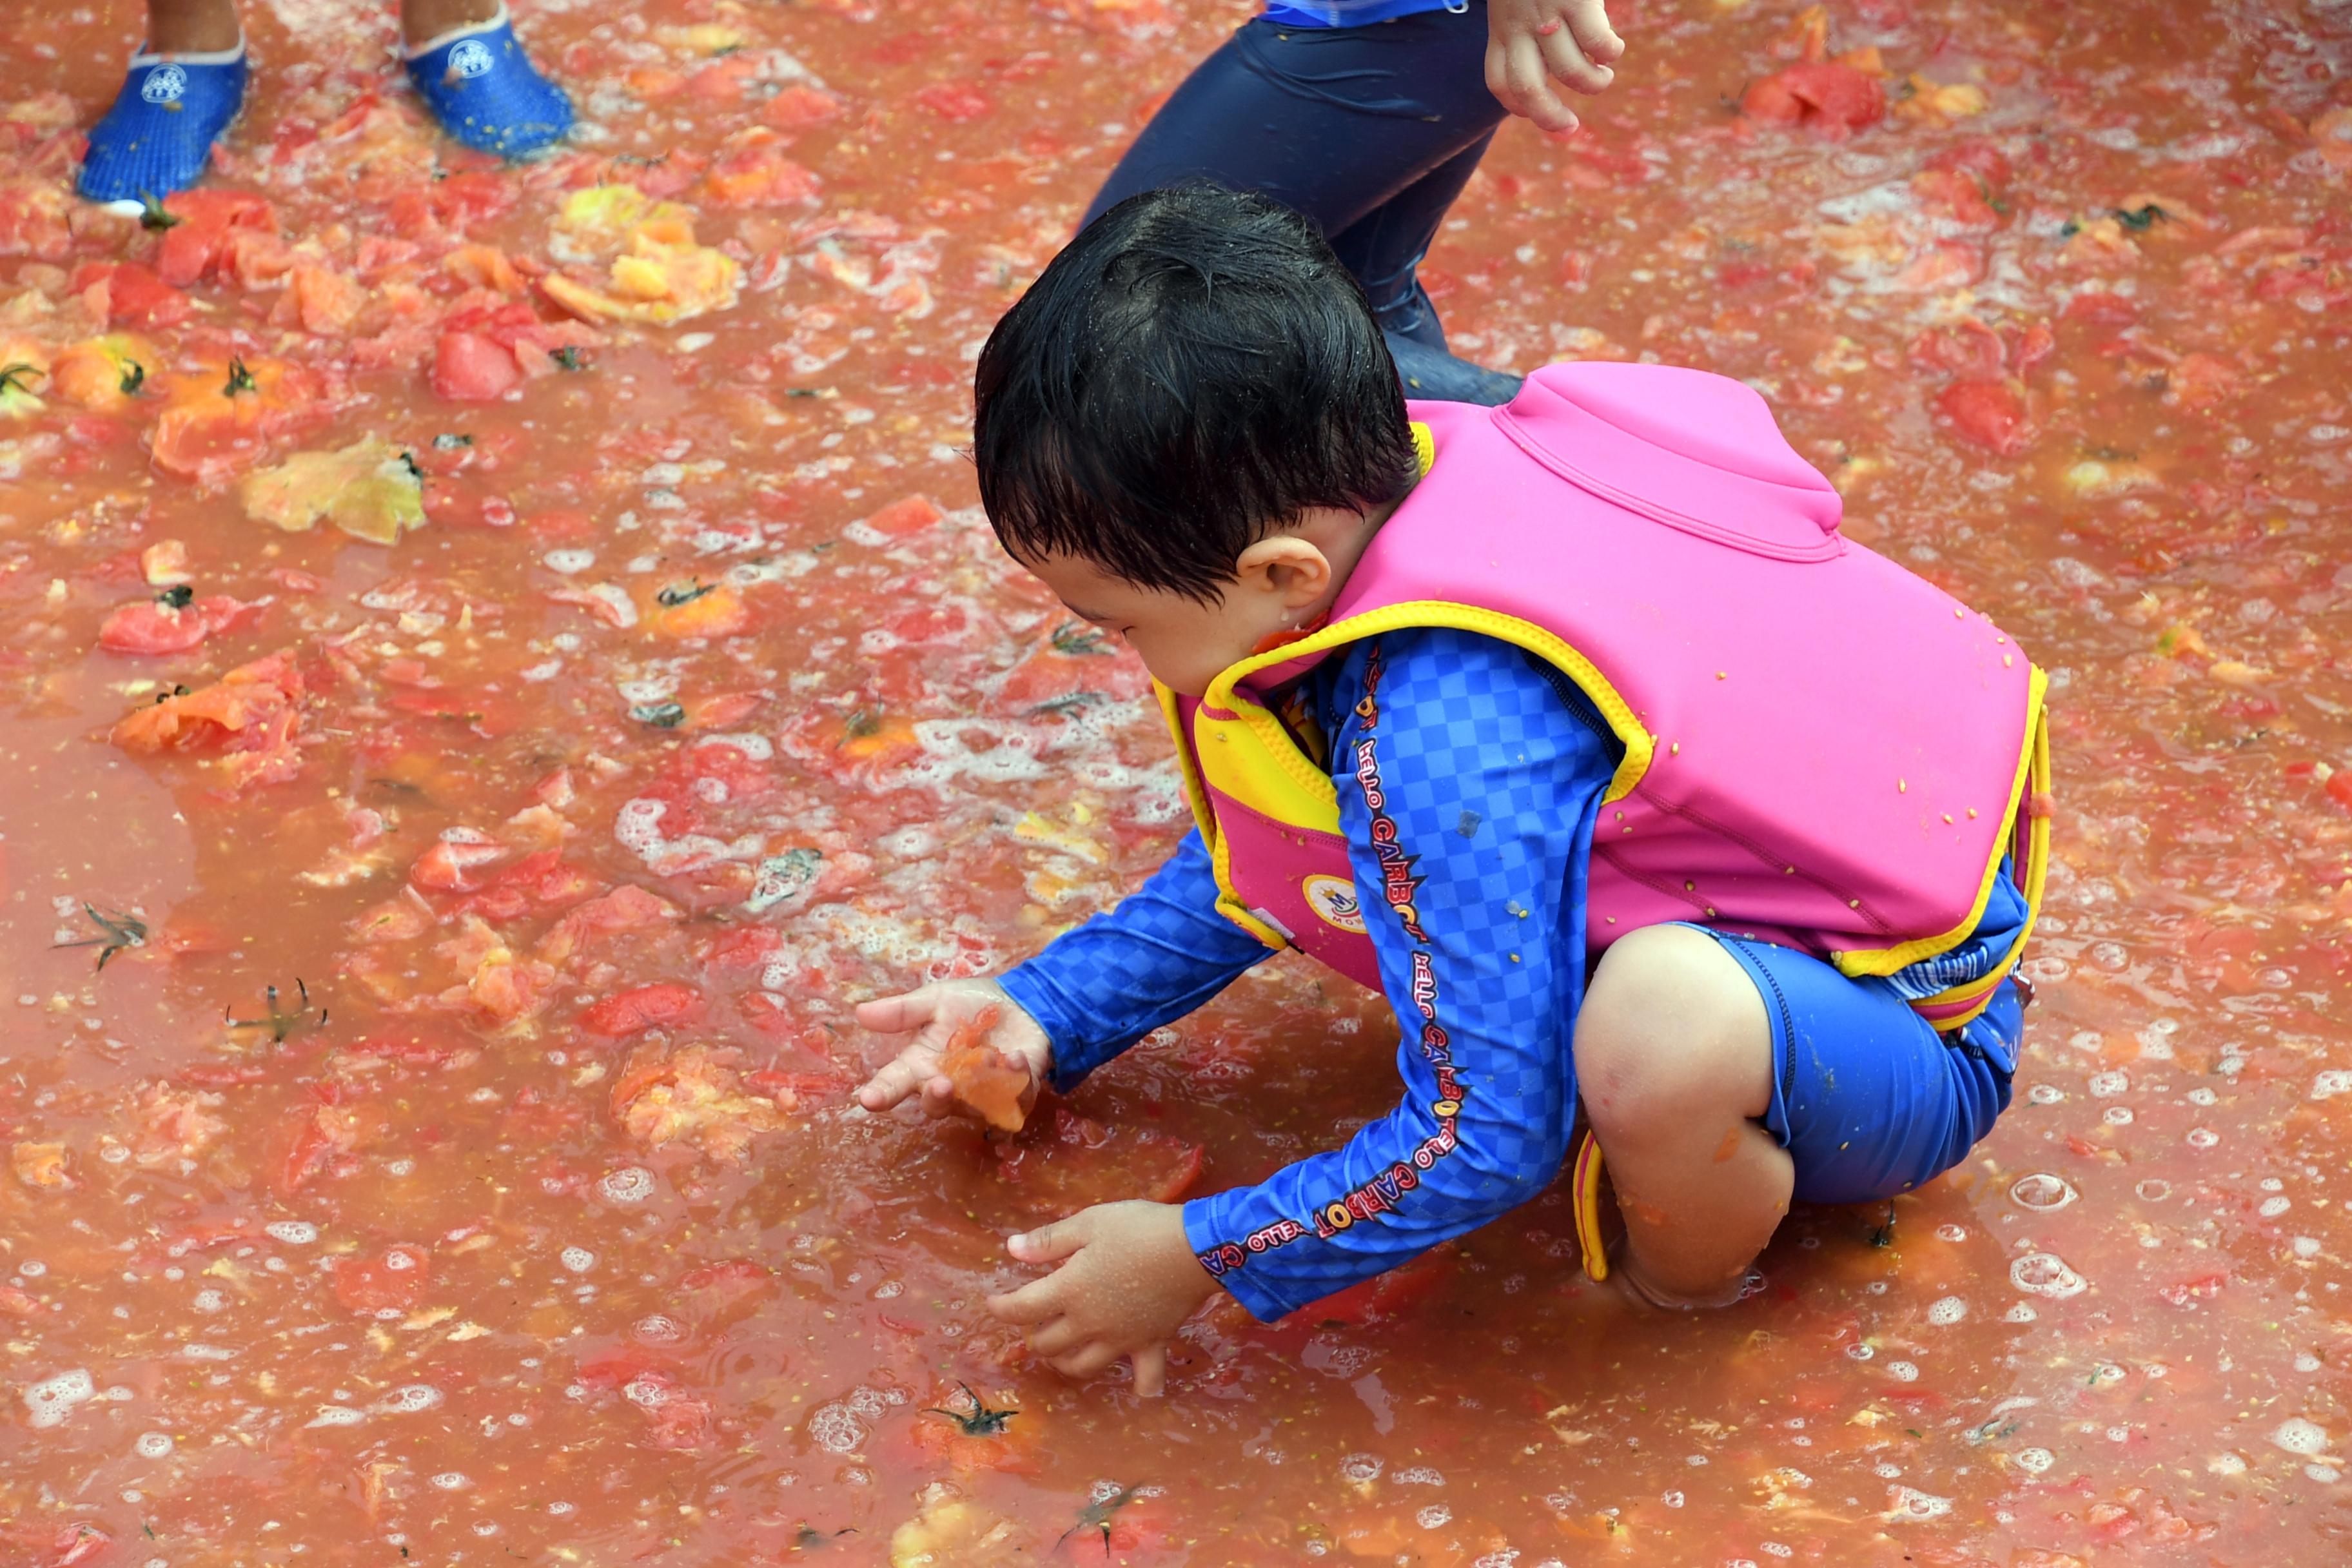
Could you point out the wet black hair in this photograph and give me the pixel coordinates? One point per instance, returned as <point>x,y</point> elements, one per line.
<point>1192,372</point>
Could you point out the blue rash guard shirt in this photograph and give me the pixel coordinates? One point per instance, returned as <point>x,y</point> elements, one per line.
<point>1491,767</point>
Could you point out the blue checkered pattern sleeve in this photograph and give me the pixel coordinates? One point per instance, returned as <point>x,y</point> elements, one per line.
<point>1164,950</point>
<point>1482,772</point>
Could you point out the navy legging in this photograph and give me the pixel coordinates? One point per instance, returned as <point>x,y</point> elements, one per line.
<point>1370,131</point>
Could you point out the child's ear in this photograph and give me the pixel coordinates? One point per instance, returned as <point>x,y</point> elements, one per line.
<point>1290,568</point>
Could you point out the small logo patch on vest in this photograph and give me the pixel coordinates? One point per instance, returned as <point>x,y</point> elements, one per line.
<point>470,59</point>
<point>164,84</point>
<point>1333,900</point>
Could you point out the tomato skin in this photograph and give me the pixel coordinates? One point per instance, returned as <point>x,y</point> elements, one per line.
<point>449,866</point>
<point>77,1543</point>
<point>658,1005</point>
<point>134,295</point>
<point>470,368</point>
<point>148,628</point>
<point>323,1136</point>
<point>1824,95</point>
<point>1988,413</point>
<point>901,517</point>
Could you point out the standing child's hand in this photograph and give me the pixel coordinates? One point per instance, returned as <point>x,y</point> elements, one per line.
<point>1127,1282</point>
<point>1532,44</point>
<point>935,1013</point>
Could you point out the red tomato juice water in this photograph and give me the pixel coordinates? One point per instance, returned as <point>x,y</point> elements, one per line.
<point>496,662</point>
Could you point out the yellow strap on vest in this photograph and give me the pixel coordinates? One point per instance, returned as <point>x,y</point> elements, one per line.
<point>1584,1199</point>
<point>2033,877</point>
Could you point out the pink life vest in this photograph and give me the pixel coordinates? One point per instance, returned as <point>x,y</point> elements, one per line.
<point>1822,749</point>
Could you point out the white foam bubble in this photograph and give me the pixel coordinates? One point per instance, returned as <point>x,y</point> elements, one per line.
<point>2034,1461</point>
<point>2041,1192</point>
<point>578,1260</point>
<point>2297,1435</point>
<point>2046,1274</point>
<point>758,748</point>
<point>153,1444</point>
<point>836,1429</point>
<point>2107,1085</point>
<point>629,1184</point>
<point>409,1398</point>
<point>1949,1310</point>
<point>1436,1516</point>
<point>49,1402</point>
<point>2331,1083</point>
<point>1912,1505</point>
<point>293,1232</point>
<point>336,1415</point>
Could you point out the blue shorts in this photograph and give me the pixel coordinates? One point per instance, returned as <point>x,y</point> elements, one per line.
<point>1868,1099</point>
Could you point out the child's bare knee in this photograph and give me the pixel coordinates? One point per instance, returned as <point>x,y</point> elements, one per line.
<point>1671,1029</point>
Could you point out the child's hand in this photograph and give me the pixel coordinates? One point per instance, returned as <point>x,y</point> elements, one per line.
<point>1127,1282</point>
<point>1532,44</point>
<point>937,1012</point>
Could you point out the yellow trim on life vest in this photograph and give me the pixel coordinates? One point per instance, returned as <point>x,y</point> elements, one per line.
<point>2033,759</point>
<point>1241,749</point>
<point>2034,877</point>
<point>1584,1202</point>
<point>1204,817</point>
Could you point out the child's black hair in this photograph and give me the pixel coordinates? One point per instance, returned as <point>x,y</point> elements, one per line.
<point>1193,371</point>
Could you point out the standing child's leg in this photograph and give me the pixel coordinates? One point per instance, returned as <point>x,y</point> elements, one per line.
<point>1674,1061</point>
<point>1370,131</point>
<point>186,85</point>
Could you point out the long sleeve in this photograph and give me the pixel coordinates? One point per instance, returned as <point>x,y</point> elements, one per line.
<point>1164,950</point>
<point>1484,772</point>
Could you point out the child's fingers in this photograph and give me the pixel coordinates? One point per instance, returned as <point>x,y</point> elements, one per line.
<point>1151,1371</point>
<point>896,1014</point>
<point>1037,1302</point>
<point>1565,63</point>
<point>1058,1337</point>
<point>1087,1360</point>
<point>1051,1243</point>
<point>1516,76</point>
<point>1587,22</point>
<point>939,1096</point>
<point>893,1083</point>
